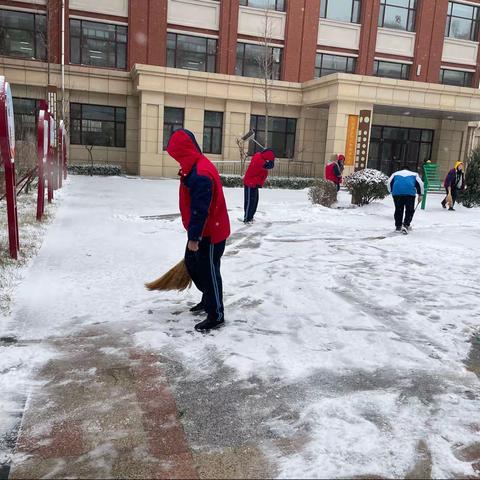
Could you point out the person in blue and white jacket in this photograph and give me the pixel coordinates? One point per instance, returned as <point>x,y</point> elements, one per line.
<point>404,186</point>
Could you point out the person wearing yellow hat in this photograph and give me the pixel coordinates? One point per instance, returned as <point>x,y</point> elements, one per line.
<point>454,182</point>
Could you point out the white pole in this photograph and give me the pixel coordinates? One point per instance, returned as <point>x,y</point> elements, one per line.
<point>63,59</point>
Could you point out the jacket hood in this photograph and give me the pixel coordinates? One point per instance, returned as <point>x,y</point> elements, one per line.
<point>183,147</point>
<point>268,155</point>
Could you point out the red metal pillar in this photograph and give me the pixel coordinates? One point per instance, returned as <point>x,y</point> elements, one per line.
<point>7,148</point>
<point>50,158</point>
<point>42,143</point>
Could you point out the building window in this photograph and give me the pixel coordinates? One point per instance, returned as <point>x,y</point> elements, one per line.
<point>192,53</point>
<point>98,44</point>
<point>398,14</point>
<point>278,5</point>
<point>281,135</point>
<point>341,10</point>
<point>97,125</point>
<point>457,78</point>
<point>391,70</point>
<point>326,64</point>
<point>26,114</point>
<point>258,61</point>
<point>23,35</point>
<point>173,119</point>
<point>213,132</point>
<point>462,21</point>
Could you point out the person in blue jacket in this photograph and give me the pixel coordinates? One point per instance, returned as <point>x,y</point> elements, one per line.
<point>404,186</point>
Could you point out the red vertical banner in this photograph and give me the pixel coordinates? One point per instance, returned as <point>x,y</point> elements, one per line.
<point>7,148</point>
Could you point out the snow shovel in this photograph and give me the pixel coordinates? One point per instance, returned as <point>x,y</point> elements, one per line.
<point>177,278</point>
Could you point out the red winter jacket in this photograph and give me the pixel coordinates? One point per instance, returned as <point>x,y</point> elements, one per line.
<point>333,173</point>
<point>202,203</point>
<point>257,171</point>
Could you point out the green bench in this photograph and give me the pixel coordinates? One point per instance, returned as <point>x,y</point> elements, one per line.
<point>431,179</point>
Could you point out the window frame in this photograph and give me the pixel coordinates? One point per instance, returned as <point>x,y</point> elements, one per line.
<point>466,74</point>
<point>211,131</point>
<point>475,22</point>
<point>254,147</point>
<point>324,10</point>
<point>404,66</point>
<point>83,36</point>
<point>116,141</point>
<point>280,5</point>
<point>412,10</point>
<point>36,34</point>
<point>17,116</point>
<point>244,46</point>
<point>169,126</point>
<point>320,68</point>
<point>206,55</point>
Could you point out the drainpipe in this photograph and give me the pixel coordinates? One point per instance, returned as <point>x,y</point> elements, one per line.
<point>63,60</point>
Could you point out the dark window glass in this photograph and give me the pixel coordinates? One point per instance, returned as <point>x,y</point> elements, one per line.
<point>462,21</point>
<point>456,78</point>
<point>213,132</point>
<point>326,64</point>
<point>258,60</point>
<point>26,114</point>
<point>393,148</point>
<point>341,10</point>
<point>391,70</point>
<point>173,120</point>
<point>23,35</point>
<point>98,44</point>
<point>281,135</point>
<point>397,14</point>
<point>97,125</point>
<point>278,5</point>
<point>191,53</point>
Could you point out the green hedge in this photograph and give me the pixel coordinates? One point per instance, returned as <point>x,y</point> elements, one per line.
<point>235,181</point>
<point>101,170</point>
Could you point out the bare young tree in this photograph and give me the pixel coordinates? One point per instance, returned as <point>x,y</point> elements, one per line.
<point>266,63</point>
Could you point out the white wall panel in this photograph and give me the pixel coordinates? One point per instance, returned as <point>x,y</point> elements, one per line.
<point>395,42</point>
<point>194,13</point>
<point>339,34</point>
<point>252,21</point>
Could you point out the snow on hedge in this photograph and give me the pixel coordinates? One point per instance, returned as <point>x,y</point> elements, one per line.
<point>369,176</point>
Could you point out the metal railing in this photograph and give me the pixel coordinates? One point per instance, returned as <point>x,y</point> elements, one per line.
<point>283,168</point>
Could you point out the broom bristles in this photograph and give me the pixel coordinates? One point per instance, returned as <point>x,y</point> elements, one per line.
<point>176,278</point>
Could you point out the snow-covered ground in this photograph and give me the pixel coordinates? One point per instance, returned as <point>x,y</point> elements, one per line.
<point>358,337</point>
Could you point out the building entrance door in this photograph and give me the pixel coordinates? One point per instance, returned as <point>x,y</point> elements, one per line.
<point>393,148</point>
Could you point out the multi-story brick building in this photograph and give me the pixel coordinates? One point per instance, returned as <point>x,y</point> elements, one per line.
<point>134,70</point>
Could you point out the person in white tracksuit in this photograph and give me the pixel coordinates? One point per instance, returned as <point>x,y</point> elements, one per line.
<point>404,186</point>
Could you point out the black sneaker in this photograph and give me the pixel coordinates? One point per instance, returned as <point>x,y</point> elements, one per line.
<point>398,229</point>
<point>451,209</point>
<point>444,204</point>
<point>408,227</point>
<point>199,308</point>
<point>209,324</point>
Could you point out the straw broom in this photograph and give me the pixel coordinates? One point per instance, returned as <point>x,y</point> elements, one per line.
<point>176,278</point>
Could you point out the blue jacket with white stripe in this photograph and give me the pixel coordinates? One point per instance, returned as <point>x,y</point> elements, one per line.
<point>405,183</point>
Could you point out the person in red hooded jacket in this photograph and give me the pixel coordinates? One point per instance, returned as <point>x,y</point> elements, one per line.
<point>334,171</point>
<point>255,177</point>
<point>205,217</point>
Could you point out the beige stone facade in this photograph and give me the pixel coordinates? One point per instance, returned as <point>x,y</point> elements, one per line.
<point>321,108</point>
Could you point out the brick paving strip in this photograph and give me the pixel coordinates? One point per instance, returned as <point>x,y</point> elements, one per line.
<point>104,411</point>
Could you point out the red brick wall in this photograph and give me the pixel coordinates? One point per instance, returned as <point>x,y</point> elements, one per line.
<point>368,36</point>
<point>227,43</point>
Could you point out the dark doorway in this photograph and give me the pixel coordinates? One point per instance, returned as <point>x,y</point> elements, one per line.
<point>394,148</point>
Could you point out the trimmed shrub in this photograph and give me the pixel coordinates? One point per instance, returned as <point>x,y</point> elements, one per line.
<point>101,170</point>
<point>366,186</point>
<point>323,193</point>
<point>471,196</point>
<point>236,181</point>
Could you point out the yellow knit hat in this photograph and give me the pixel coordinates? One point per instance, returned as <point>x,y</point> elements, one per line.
<point>457,164</point>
